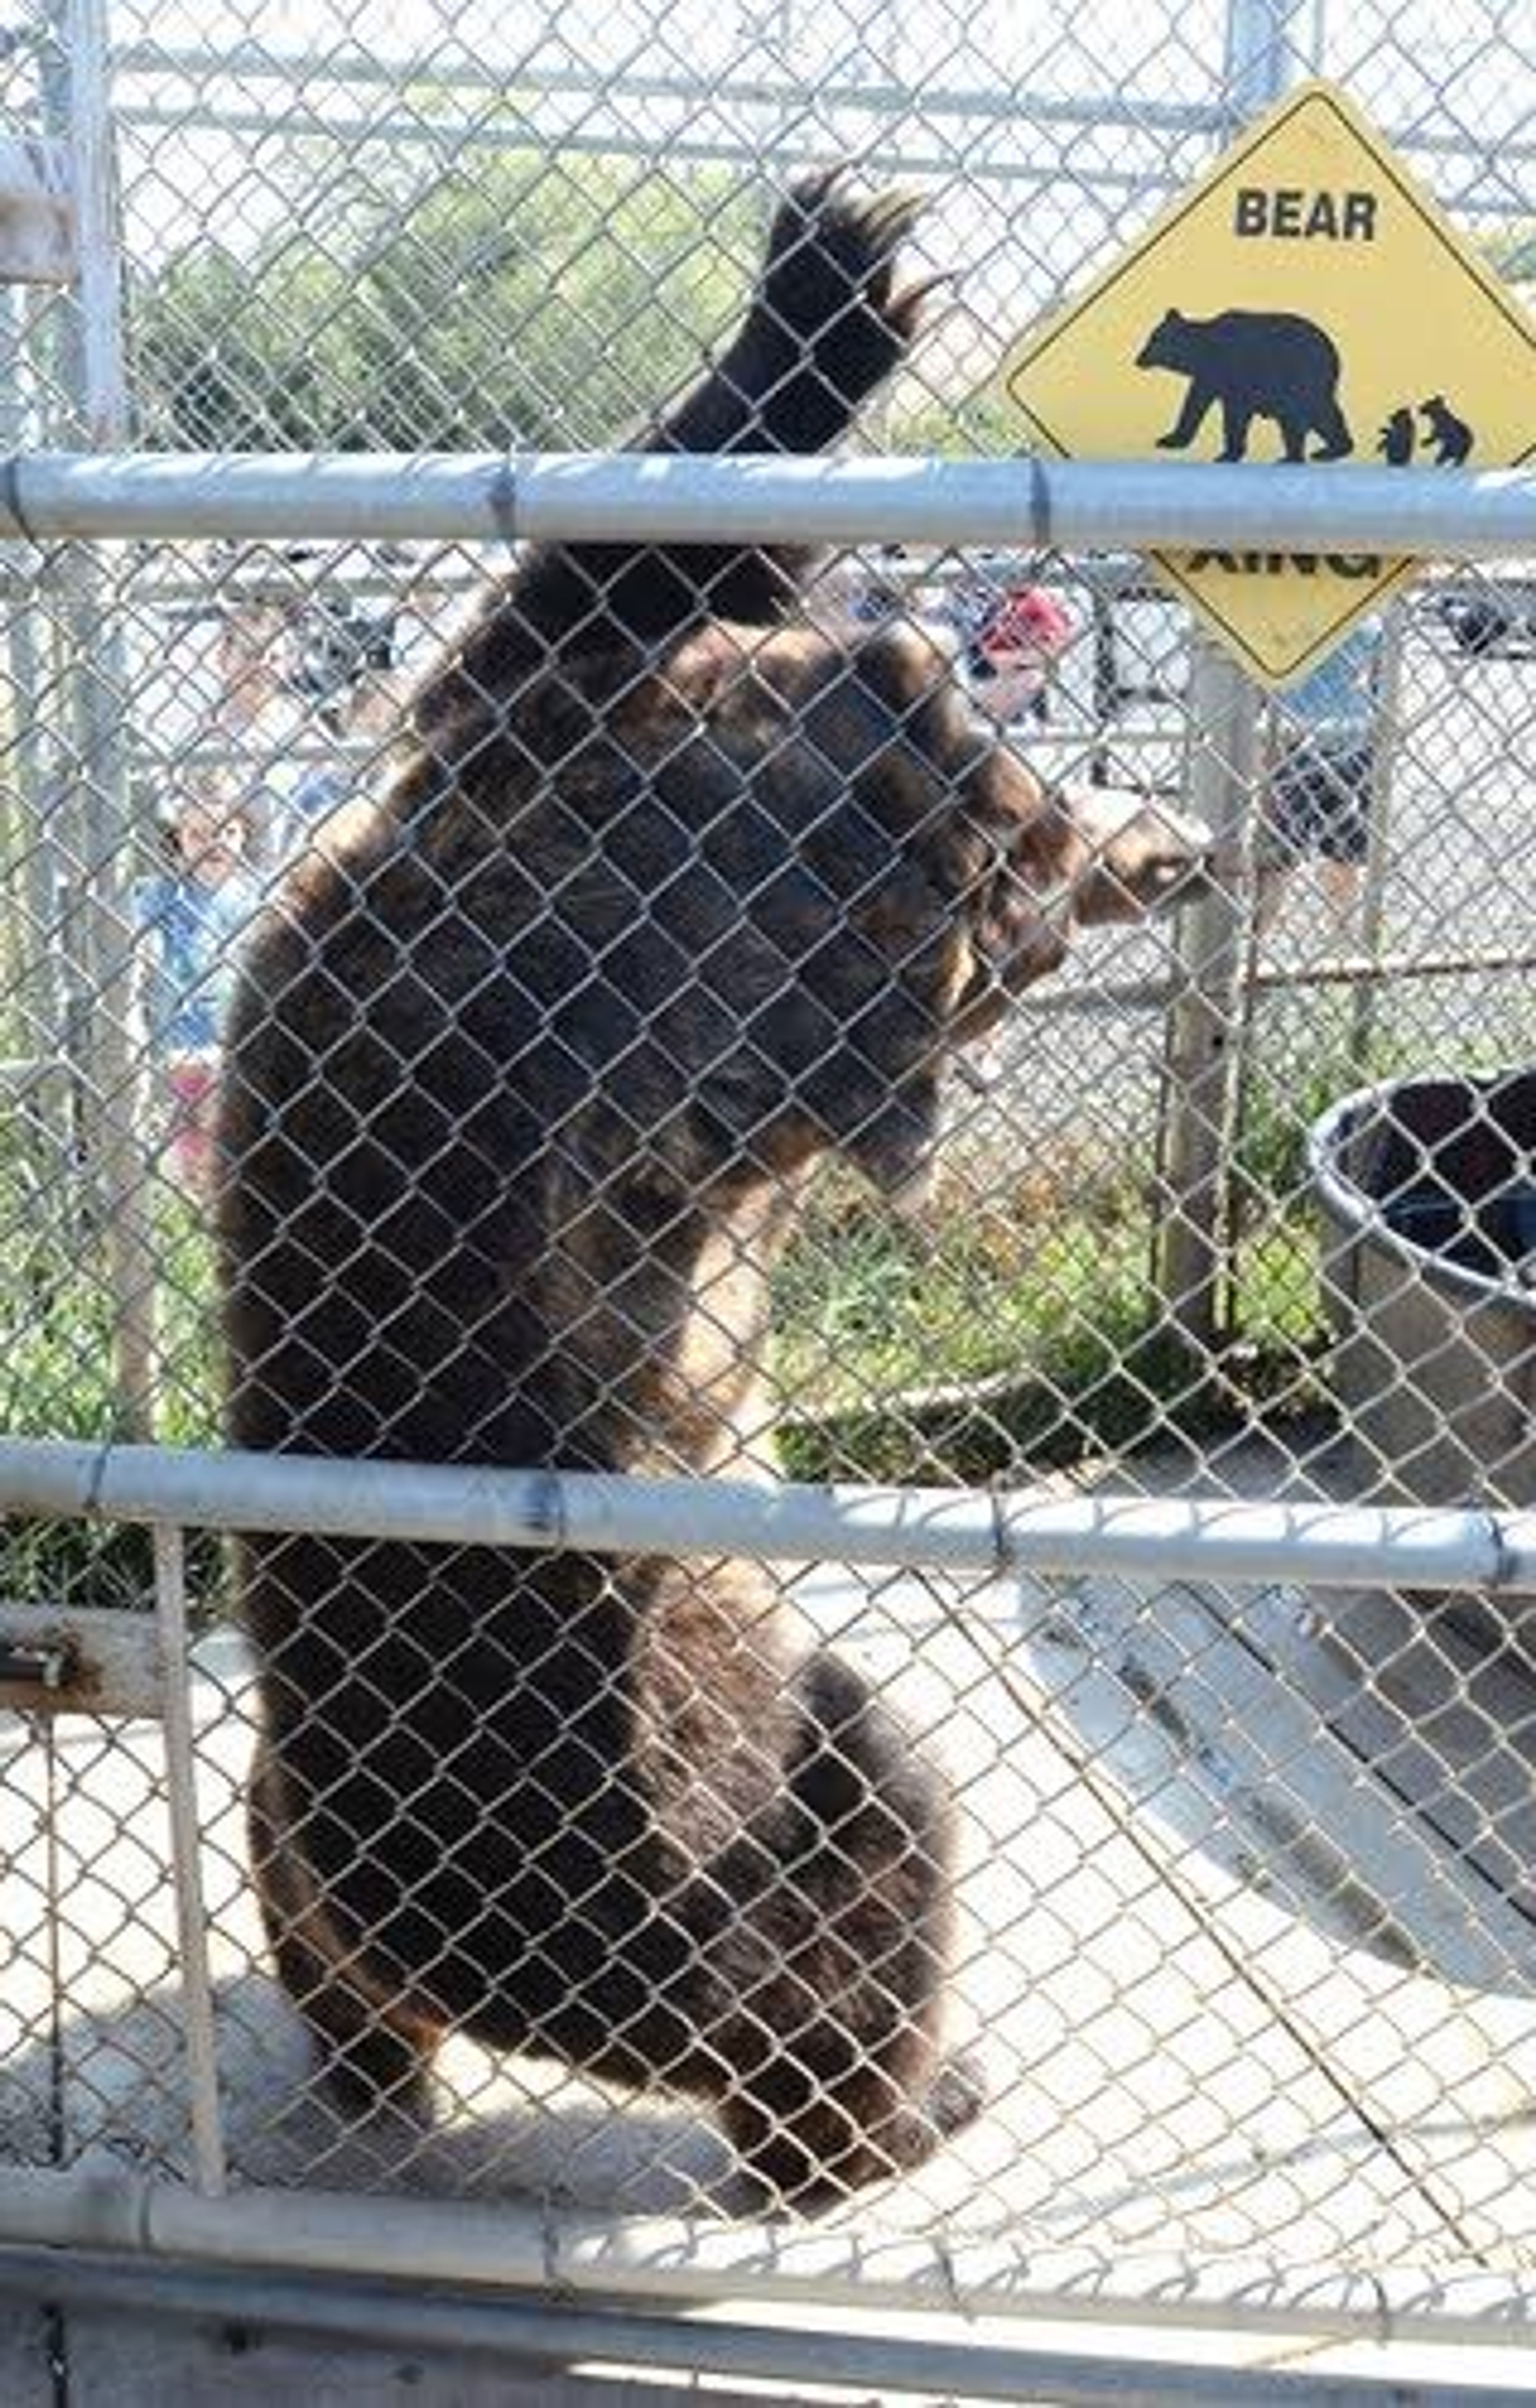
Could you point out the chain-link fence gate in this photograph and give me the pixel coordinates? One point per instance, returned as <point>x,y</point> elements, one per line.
<point>1085,1873</point>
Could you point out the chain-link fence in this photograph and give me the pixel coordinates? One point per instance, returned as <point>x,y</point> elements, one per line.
<point>711,1011</point>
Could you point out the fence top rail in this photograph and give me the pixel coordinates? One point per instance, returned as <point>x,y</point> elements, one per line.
<point>355,63</point>
<point>948,1529</point>
<point>753,498</point>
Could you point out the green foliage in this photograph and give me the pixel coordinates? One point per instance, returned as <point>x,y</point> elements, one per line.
<point>867,1303</point>
<point>56,1365</point>
<point>521,304</point>
<point>1512,251</point>
<point>985,424</point>
<point>1013,1324</point>
<point>1286,1091</point>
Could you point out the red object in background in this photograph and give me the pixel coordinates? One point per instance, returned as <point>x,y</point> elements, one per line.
<point>1029,620</point>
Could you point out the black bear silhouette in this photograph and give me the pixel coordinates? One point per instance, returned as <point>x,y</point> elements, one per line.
<point>1257,364</point>
<point>1452,438</point>
<point>1397,440</point>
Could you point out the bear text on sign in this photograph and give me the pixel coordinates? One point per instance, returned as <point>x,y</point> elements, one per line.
<point>1293,213</point>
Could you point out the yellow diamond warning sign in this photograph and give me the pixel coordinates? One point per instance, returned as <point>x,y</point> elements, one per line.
<point>1306,301</point>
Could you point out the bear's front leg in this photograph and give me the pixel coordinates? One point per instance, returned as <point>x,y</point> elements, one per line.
<point>1191,418</point>
<point>1236,419</point>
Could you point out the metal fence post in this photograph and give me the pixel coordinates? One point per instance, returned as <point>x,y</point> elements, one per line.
<point>94,680</point>
<point>1205,1026</point>
<point>32,1004</point>
<point>1386,714</point>
<point>1202,1054</point>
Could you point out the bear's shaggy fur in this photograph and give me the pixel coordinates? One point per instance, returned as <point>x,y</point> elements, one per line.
<point>527,1068</point>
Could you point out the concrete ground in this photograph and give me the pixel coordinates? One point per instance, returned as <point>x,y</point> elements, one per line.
<point>1247,1953</point>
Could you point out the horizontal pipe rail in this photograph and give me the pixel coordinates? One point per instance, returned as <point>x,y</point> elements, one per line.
<point>489,133</point>
<point>508,2327</point>
<point>685,2262</point>
<point>948,1529</point>
<point>791,97</point>
<point>249,62</point>
<point>1269,977</point>
<point>774,149</point>
<point>752,498</point>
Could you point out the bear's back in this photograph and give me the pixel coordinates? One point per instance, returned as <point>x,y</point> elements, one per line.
<point>1256,349</point>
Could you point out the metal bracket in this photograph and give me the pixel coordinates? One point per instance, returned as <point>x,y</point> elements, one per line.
<point>43,1667</point>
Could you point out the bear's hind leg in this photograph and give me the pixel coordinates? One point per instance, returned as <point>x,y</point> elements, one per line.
<point>1294,431</point>
<point>1337,442</point>
<point>812,2135</point>
<point>373,2051</point>
<point>839,2079</point>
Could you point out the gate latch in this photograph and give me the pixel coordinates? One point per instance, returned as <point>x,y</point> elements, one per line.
<point>43,1667</point>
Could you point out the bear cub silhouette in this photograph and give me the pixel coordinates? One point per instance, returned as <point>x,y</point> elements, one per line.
<point>679,889</point>
<point>1255,364</point>
<point>1451,436</point>
<point>1398,439</point>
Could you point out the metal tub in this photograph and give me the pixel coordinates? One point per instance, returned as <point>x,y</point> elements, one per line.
<point>1428,1188</point>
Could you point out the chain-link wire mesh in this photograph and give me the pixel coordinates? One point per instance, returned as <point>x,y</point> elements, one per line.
<point>577,1111</point>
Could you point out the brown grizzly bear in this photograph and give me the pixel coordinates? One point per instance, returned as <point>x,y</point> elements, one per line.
<point>679,894</point>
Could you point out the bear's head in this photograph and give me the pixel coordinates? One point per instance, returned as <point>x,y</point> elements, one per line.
<point>1167,345</point>
<point>845,877</point>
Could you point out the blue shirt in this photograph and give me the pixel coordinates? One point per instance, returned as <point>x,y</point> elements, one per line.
<point>1339,697</point>
<point>192,930</point>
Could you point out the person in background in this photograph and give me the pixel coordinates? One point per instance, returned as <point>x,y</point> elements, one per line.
<point>252,641</point>
<point>1014,650</point>
<point>879,595</point>
<point>363,718</point>
<point>256,717</point>
<point>254,724</point>
<point>190,916</point>
<point>1316,804</point>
